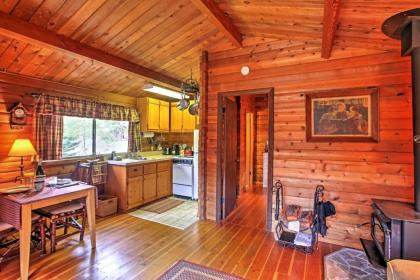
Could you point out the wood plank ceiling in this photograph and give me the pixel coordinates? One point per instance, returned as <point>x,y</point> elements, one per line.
<point>359,21</point>
<point>163,35</point>
<point>169,35</point>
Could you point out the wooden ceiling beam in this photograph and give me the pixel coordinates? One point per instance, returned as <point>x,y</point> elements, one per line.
<point>210,9</point>
<point>331,9</point>
<point>19,29</point>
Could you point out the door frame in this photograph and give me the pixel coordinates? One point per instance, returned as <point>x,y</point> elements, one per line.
<point>262,91</point>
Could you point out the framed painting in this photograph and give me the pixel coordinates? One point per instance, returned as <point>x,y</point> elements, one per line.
<point>343,115</point>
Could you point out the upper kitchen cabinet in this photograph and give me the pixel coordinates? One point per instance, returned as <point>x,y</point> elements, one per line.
<point>176,118</point>
<point>154,114</point>
<point>181,120</point>
<point>164,116</point>
<point>188,121</point>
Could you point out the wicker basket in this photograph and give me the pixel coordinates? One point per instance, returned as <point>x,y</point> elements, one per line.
<point>107,205</point>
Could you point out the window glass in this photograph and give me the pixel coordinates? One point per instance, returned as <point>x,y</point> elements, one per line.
<point>111,136</point>
<point>77,136</point>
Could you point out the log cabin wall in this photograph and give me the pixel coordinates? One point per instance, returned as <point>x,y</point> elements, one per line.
<point>9,96</point>
<point>353,173</point>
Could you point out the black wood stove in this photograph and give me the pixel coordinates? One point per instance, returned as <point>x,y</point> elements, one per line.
<point>395,226</point>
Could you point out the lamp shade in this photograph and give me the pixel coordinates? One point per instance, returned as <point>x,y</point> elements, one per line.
<point>22,148</point>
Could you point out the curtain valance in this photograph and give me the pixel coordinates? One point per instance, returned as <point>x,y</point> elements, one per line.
<point>67,106</point>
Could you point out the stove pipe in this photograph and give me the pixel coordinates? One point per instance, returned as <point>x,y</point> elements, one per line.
<point>405,26</point>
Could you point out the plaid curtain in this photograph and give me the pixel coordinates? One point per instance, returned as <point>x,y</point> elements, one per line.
<point>66,106</point>
<point>49,136</point>
<point>51,109</point>
<point>133,137</point>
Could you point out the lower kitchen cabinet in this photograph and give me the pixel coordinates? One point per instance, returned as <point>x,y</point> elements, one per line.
<point>149,191</point>
<point>135,185</point>
<point>164,184</point>
<point>134,191</point>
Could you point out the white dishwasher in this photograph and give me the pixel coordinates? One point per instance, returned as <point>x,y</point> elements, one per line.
<point>183,176</point>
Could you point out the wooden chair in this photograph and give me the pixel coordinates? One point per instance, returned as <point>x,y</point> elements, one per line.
<point>9,237</point>
<point>64,215</point>
<point>93,173</point>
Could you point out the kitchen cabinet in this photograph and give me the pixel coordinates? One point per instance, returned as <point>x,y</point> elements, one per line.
<point>181,121</point>
<point>134,191</point>
<point>149,191</point>
<point>176,119</point>
<point>164,184</point>
<point>154,114</point>
<point>138,183</point>
<point>164,116</point>
<point>188,121</point>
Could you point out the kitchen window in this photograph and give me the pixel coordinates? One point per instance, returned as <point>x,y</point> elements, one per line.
<point>87,136</point>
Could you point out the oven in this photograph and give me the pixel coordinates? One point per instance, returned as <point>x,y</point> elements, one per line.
<point>183,177</point>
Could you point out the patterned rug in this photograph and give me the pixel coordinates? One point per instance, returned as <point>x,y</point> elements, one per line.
<point>351,264</point>
<point>163,205</point>
<point>184,270</point>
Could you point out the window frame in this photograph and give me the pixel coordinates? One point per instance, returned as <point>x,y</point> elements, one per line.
<point>93,141</point>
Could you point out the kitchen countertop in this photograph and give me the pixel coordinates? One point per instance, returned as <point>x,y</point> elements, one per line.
<point>128,162</point>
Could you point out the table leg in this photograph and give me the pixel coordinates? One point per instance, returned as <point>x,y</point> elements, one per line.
<point>25,241</point>
<point>90,207</point>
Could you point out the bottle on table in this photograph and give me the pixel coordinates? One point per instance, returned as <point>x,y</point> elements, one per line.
<point>39,177</point>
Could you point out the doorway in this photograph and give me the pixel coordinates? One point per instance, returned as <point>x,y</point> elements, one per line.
<point>229,144</point>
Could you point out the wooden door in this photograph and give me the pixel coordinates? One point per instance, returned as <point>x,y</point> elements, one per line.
<point>164,187</point>
<point>230,157</point>
<point>249,150</point>
<point>149,187</point>
<point>153,113</point>
<point>176,118</point>
<point>188,121</point>
<point>134,191</point>
<point>164,116</point>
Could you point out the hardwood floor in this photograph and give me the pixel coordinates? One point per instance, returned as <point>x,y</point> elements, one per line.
<point>131,248</point>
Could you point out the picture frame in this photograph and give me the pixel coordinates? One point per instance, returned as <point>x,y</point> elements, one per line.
<point>343,115</point>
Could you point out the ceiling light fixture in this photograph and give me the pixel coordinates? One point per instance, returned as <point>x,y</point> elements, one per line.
<point>163,91</point>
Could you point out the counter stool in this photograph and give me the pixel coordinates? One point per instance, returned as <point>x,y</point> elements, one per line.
<point>64,215</point>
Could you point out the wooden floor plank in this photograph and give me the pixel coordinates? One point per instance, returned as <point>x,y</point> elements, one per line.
<point>132,248</point>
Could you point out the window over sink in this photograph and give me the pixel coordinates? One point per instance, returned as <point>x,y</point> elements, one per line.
<point>87,136</point>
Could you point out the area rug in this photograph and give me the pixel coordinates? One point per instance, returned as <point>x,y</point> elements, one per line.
<point>163,205</point>
<point>351,264</point>
<point>179,217</point>
<point>184,270</point>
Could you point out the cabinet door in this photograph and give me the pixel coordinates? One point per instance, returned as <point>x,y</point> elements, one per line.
<point>164,187</point>
<point>134,191</point>
<point>149,187</point>
<point>164,116</point>
<point>153,113</point>
<point>188,121</point>
<point>176,118</point>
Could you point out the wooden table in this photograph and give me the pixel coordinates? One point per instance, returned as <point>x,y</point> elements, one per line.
<point>27,202</point>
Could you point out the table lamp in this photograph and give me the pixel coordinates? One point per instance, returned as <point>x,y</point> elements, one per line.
<point>22,148</point>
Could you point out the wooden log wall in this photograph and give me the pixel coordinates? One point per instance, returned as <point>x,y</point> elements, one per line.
<point>9,96</point>
<point>353,173</point>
